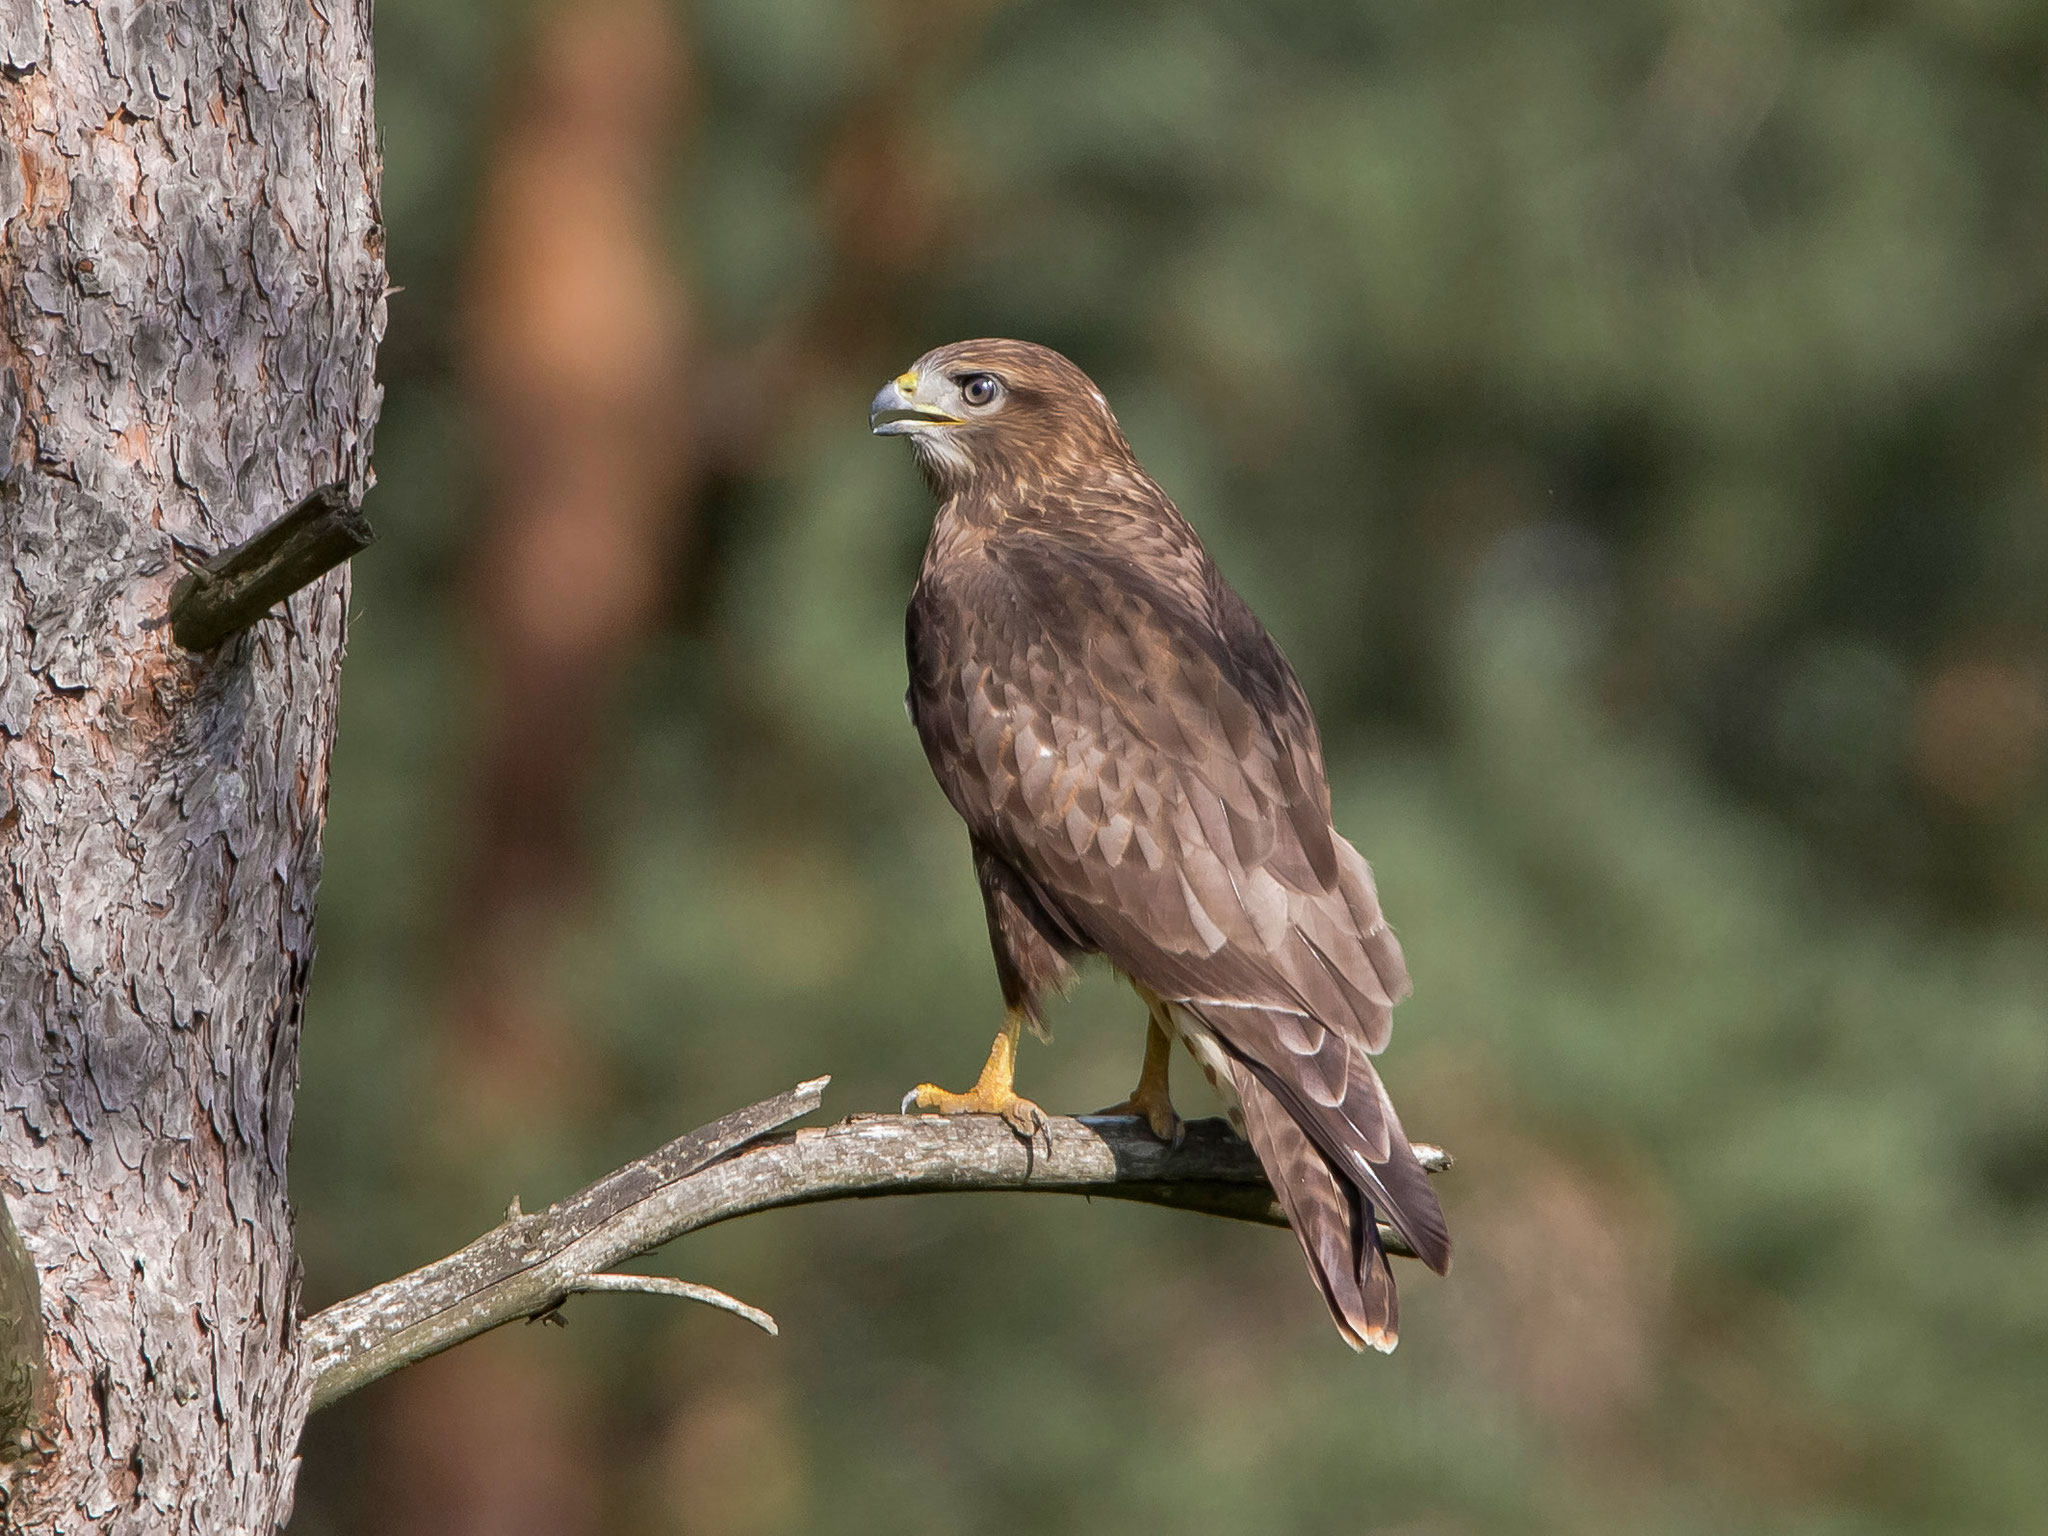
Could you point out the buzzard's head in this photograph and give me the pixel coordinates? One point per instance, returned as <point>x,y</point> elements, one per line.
<point>987,413</point>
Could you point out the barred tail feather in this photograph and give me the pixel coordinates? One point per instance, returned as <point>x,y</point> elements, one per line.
<point>1331,1219</point>
<point>1327,1087</point>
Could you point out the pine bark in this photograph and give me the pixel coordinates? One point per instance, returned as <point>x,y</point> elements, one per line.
<point>191,295</point>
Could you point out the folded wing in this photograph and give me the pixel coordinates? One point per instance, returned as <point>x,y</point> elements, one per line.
<point>1138,750</point>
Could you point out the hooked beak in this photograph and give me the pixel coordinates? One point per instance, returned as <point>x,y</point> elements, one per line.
<point>896,410</point>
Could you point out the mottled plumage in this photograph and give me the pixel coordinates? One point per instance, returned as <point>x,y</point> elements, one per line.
<point>1142,778</point>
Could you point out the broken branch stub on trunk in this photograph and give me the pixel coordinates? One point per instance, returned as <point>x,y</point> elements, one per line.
<point>238,586</point>
<point>528,1265</point>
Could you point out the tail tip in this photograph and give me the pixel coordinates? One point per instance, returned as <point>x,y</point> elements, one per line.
<point>1372,1336</point>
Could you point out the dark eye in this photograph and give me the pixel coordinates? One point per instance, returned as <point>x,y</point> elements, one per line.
<point>979,389</point>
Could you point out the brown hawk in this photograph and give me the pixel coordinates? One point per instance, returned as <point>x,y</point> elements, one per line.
<point>1141,778</point>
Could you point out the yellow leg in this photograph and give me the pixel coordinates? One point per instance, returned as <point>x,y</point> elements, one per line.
<point>992,1093</point>
<point>1151,1099</point>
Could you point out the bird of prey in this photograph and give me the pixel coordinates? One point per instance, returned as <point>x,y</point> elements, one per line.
<point>1142,779</point>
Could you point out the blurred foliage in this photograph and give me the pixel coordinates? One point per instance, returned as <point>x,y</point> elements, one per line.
<point>1630,419</point>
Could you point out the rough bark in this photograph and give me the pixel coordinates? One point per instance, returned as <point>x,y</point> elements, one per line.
<point>191,294</point>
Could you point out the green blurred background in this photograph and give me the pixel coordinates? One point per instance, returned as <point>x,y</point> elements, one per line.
<point>1630,419</point>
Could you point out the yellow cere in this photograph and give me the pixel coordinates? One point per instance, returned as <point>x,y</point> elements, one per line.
<point>907,382</point>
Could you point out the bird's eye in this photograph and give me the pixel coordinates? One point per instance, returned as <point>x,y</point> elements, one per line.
<point>979,389</point>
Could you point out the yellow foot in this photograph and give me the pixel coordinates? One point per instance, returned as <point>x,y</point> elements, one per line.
<point>1018,1112</point>
<point>1157,1111</point>
<point>1150,1101</point>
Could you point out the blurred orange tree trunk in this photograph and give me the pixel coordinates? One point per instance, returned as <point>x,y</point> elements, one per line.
<point>578,362</point>
<point>577,354</point>
<point>191,297</point>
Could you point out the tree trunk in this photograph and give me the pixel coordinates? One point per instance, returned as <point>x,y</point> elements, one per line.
<point>191,295</point>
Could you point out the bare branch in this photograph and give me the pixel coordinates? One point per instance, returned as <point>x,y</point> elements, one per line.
<point>682,1290</point>
<point>524,1266</point>
<point>735,1168</point>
